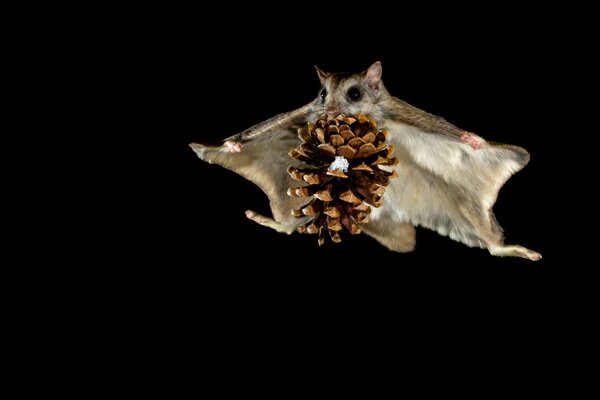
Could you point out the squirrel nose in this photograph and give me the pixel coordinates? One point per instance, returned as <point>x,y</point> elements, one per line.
<point>332,110</point>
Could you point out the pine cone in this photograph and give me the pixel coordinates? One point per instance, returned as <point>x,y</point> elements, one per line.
<point>343,156</point>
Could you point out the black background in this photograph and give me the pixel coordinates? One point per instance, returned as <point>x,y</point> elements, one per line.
<point>188,83</point>
<point>162,266</point>
<point>176,264</point>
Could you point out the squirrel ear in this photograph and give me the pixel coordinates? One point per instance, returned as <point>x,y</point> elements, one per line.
<point>322,74</point>
<point>373,75</point>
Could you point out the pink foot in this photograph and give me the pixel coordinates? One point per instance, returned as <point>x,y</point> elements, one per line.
<point>260,219</point>
<point>233,147</point>
<point>472,139</point>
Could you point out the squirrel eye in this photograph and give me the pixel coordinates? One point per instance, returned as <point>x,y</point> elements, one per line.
<point>354,94</point>
<point>323,93</point>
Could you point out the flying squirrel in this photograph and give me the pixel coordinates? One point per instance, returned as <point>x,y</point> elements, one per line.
<point>448,178</point>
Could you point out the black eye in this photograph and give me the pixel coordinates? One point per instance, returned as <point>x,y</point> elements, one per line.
<point>323,94</point>
<point>354,94</point>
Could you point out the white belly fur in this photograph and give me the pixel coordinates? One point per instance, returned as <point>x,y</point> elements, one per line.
<point>435,176</point>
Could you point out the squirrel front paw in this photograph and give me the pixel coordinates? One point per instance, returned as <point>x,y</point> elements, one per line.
<point>472,140</point>
<point>232,146</point>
